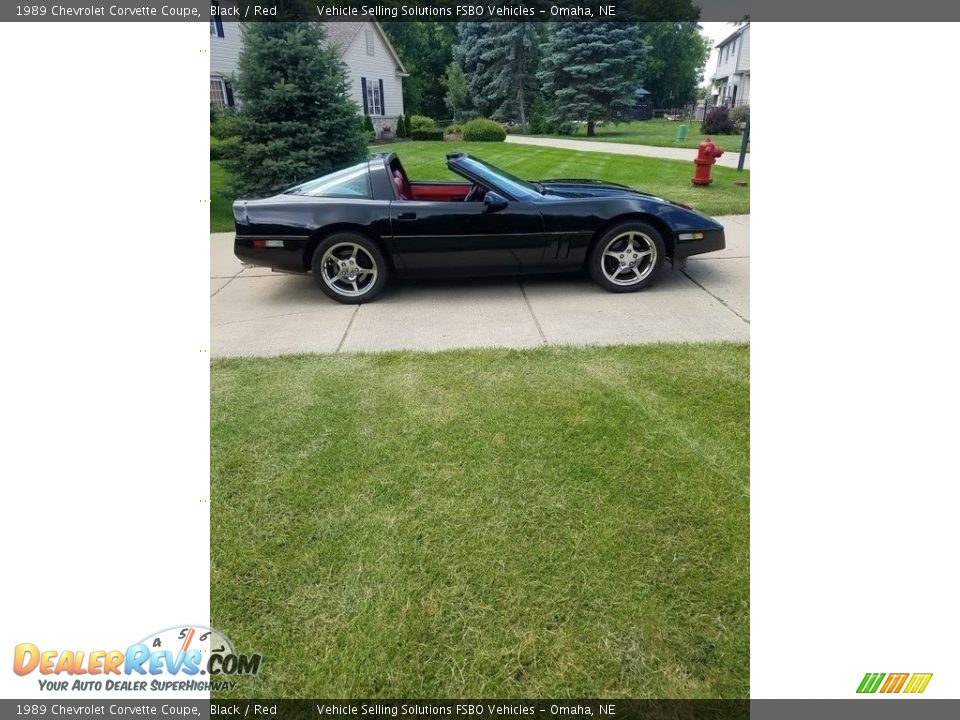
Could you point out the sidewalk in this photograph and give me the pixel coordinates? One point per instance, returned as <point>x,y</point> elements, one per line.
<point>728,159</point>
<point>256,312</point>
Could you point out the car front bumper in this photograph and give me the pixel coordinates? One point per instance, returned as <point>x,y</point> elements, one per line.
<point>687,243</point>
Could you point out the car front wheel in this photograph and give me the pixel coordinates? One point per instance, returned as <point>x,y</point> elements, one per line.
<point>627,258</point>
<point>349,268</point>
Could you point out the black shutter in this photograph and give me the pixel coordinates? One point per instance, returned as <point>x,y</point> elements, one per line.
<point>226,86</point>
<point>363,91</point>
<point>218,23</point>
<point>383,99</point>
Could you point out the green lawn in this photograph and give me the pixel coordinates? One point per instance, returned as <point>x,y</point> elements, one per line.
<point>427,161</point>
<point>667,178</point>
<point>542,523</point>
<point>661,133</point>
<point>221,201</point>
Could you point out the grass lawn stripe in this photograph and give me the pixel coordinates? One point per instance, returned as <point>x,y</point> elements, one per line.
<point>491,523</point>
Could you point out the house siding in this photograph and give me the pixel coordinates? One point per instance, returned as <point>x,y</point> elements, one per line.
<point>743,62</point>
<point>225,51</point>
<point>379,66</point>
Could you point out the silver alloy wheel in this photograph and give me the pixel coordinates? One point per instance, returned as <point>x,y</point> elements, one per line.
<point>629,258</point>
<point>348,269</point>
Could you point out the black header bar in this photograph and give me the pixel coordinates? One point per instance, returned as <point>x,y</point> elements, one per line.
<point>464,10</point>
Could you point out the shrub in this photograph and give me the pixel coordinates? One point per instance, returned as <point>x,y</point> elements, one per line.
<point>428,134</point>
<point>539,120</point>
<point>483,130</point>
<point>421,122</point>
<point>402,131</point>
<point>738,116</point>
<point>222,149</point>
<point>717,122</point>
<point>368,130</point>
<point>223,124</point>
<point>454,129</point>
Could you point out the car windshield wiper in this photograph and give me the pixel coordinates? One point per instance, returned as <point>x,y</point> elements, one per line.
<point>541,188</point>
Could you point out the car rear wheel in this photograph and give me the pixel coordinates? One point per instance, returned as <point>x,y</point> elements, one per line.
<point>627,258</point>
<point>350,268</point>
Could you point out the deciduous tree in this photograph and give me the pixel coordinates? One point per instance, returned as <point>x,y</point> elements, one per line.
<point>456,84</point>
<point>675,61</point>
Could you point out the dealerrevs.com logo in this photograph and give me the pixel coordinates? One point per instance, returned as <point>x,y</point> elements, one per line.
<point>910,683</point>
<point>183,658</point>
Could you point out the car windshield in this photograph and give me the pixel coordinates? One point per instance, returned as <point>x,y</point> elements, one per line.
<point>494,176</point>
<point>348,182</point>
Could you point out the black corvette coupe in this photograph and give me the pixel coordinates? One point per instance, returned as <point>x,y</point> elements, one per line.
<point>357,226</point>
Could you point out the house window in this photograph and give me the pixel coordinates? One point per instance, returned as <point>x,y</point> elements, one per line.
<point>374,101</point>
<point>369,36</point>
<point>216,24</point>
<point>218,93</point>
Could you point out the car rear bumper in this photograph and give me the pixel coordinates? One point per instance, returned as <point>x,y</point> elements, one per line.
<point>288,258</point>
<point>711,241</point>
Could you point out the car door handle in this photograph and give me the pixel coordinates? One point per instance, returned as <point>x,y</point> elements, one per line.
<point>407,216</point>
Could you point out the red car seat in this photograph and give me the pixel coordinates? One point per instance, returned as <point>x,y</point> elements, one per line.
<point>402,185</point>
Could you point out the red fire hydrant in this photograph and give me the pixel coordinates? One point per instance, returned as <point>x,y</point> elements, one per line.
<point>707,154</point>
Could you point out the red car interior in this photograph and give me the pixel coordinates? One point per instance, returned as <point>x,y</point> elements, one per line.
<point>442,192</point>
<point>402,185</point>
<point>437,192</point>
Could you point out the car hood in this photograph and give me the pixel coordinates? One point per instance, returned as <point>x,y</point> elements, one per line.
<point>576,188</point>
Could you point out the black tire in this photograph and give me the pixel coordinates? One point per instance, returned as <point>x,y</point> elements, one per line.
<point>614,272</point>
<point>348,283</point>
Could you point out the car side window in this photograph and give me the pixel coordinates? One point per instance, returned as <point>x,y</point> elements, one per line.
<point>352,182</point>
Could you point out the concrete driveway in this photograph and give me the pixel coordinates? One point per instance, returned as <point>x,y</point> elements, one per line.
<point>256,312</point>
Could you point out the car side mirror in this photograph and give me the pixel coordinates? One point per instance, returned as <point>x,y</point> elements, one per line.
<point>494,202</point>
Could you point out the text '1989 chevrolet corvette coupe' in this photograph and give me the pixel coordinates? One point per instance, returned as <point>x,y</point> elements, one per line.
<point>355,227</point>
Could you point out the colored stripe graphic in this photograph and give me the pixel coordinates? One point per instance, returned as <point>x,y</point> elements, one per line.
<point>870,682</point>
<point>918,683</point>
<point>894,682</point>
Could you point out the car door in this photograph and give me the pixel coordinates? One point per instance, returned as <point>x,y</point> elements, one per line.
<point>466,238</point>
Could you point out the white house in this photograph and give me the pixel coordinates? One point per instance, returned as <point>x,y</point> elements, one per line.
<point>374,70</point>
<point>731,81</point>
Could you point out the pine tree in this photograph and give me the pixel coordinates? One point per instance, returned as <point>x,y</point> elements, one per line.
<point>592,70</point>
<point>500,60</point>
<point>296,119</point>
<point>466,53</point>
